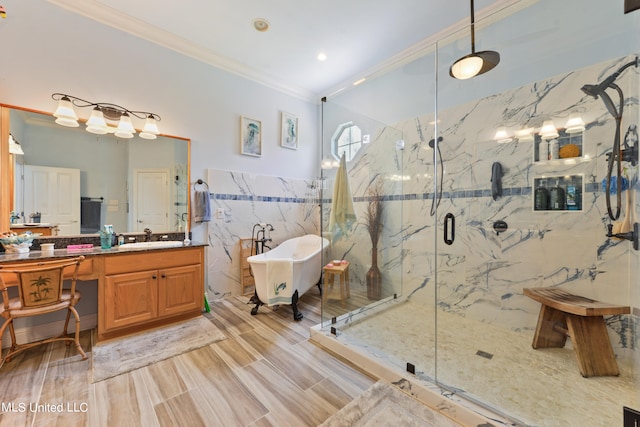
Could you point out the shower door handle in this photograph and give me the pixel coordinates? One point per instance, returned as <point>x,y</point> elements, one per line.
<point>449,218</point>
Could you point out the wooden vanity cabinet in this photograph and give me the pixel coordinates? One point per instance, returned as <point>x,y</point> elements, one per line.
<point>147,289</point>
<point>133,299</point>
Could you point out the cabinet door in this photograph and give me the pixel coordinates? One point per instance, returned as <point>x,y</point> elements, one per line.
<point>131,298</point>
<point>180,290</point>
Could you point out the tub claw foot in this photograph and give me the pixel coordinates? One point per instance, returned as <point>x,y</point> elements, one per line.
<point>294,306</point>
<point>254,299</point>
<point>254,310</point>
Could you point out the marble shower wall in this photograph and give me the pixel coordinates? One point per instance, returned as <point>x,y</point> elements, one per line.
<point>245,199</point>
<point>481,276</point>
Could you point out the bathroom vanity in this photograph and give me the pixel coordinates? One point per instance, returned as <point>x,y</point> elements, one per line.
<point>137,289</point>
<point>43,229</point>
<point>149,288</point>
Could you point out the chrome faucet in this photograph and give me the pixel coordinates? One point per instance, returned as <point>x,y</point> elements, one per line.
<point>148,232</point>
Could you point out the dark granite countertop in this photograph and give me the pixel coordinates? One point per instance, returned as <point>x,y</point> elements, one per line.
<point>35,255</point>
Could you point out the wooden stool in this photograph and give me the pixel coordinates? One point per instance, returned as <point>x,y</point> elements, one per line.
<point>582,319</point>
<point>342,270</point>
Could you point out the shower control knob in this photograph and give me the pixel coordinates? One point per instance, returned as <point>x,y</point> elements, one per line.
<point>500,226</point>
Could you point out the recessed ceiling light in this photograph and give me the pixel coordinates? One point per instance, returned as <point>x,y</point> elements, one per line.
<point>261,24</point>
<point>322,56</point>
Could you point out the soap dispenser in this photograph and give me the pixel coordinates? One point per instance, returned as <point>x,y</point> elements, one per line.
<point>557,200</point>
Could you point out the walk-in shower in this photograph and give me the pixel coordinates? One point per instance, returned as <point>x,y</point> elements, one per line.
<point>454,317</point>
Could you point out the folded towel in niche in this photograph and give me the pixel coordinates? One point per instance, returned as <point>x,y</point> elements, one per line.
<point>201,206</point>
<point>279,281</point>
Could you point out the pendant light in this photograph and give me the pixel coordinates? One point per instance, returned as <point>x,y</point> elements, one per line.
<point>476,62</point>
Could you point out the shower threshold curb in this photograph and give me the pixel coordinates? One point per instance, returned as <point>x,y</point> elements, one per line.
<point>445,401</point>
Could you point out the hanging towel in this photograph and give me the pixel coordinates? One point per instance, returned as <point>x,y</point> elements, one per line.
<point>279,281</point>
<point>496,180</point>
<point>342,213</point>
<point>201,206</point>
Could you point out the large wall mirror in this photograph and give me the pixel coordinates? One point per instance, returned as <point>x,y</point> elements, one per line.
<point>78,181</point>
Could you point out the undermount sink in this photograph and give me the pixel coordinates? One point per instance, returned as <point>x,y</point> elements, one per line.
<point>150,245</point>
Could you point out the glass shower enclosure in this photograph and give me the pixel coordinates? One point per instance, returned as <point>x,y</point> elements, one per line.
<point>483,189</point>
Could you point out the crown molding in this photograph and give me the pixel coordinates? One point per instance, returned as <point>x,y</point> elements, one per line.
<point>99,12</point>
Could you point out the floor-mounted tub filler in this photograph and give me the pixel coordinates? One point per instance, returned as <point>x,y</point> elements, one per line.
<point>285,273</point>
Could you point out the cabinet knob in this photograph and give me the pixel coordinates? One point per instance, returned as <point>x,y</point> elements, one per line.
<point>163,276</point>
<point>154,277</point>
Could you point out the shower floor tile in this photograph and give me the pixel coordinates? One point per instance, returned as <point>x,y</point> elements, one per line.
<point>494,366</point>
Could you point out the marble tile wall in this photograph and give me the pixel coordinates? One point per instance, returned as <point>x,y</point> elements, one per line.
<point>238,201</point>
<point>481,276</point>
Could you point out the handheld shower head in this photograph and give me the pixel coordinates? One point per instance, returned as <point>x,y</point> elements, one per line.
<point>599,89</point>
<point>592,90</point>
<point>616,156</point>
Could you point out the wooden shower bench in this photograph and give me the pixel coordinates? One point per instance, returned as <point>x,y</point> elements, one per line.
<point>582,319</point>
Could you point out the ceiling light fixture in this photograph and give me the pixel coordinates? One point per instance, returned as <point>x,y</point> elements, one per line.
<point>322,56</point>
<point>476,62</point>
<point>103,112</point>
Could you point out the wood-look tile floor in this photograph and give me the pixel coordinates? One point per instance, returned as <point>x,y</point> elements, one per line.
<point>266,373</point>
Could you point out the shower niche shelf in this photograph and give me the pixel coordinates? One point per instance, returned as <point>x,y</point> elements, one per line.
<point>569,149</point>
<point>558,193</point>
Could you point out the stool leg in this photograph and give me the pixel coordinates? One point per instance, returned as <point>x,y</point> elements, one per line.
<point>346,276</point>
<point>342,290</point>
<point>592,346</point>
<point>546,335</point>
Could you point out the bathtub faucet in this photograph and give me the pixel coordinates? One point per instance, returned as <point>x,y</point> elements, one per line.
<point>261,236</point>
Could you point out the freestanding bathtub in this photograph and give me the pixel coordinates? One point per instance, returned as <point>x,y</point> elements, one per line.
<point>288,271</point>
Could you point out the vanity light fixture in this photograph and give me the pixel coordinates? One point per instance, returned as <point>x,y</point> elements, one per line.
<point>14,146</point>
<point>502,136</point>
<point>102,113</point>
<point>524,134</point>
<point>476,62</point>
<point>548,130</point>
<point>575,124</point>
<point>329,162</point>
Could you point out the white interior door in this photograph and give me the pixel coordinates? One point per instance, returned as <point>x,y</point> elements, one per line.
<point>55,193</point>
<point>151,207</point>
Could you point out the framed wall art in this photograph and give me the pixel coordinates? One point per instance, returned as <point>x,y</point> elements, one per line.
<point>289,131</point>
<point>250,137</point>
